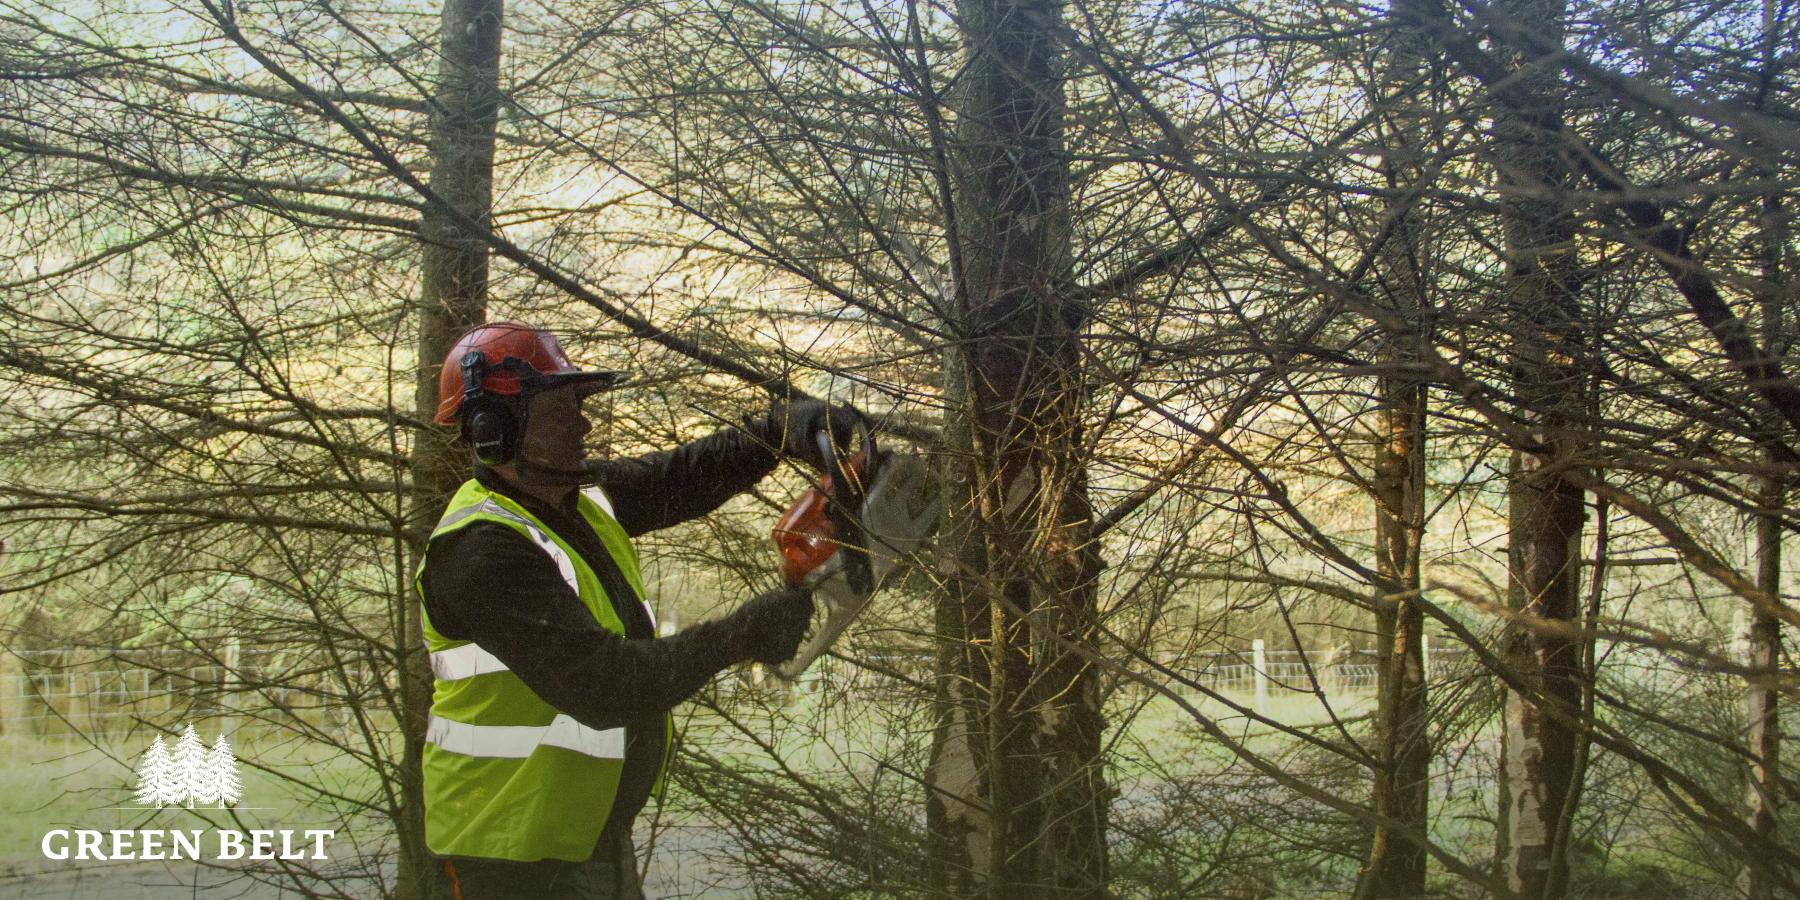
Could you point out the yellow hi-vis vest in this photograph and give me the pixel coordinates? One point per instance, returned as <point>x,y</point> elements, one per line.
<point>507,776</point>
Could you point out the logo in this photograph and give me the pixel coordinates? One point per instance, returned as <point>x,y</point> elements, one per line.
<point>190,775</point>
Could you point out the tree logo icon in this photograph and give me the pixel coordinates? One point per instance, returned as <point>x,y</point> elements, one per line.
<point>190,774</point>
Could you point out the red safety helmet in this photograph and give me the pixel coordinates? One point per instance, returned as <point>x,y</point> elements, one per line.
<point>507,359</point>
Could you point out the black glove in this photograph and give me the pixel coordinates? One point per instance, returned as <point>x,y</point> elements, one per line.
<point>794,427</point>
<point>769,628</point>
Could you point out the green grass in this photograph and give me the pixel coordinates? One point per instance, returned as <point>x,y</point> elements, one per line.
<point>53,782</point>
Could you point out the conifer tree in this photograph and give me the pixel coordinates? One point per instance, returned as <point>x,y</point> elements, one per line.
<point>190,765</point>
<point>156,775</point>
<point>204,788</point>
<point>225,786</point>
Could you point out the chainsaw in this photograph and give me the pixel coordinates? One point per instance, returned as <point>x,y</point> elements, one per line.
<point>846,534</point>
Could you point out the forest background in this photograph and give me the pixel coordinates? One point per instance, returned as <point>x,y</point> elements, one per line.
<point>1430,361</point>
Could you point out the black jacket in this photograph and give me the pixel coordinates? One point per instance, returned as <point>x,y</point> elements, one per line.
<point>489,584</point>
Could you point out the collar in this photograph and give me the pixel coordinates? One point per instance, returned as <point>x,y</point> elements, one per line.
<point>492,480</point>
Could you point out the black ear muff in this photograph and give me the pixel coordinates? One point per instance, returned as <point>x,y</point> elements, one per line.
<point>492,429</point>
<point>489,423</point>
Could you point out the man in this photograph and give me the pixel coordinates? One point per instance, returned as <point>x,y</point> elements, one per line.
<point>550,723</point>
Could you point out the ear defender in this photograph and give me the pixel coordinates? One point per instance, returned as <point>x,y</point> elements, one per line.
<point>488,422</point>
<point>492,430</point>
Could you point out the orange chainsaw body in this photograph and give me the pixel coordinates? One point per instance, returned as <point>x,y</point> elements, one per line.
<point>805,535</point>
<point>885,509</point>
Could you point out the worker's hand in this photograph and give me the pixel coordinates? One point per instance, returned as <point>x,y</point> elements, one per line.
<point>794,426</point>
<point>769,628</point>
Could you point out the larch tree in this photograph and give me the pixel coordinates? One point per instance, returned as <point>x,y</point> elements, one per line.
<point>1775,300</point>
<point>1545,507</point>
<point>1017,802</point>
<point>453,297</point>
<point>1402,786</point>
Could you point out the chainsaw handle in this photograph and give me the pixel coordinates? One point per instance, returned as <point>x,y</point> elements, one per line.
<point>842,474</point>
<point>850,488</point>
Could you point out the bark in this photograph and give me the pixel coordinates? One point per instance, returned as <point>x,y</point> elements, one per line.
<point>1018,800</point>
<point>1396,866</point>
<point>453,297</point>
<point>1762,802</point>
<point>1545,509</point>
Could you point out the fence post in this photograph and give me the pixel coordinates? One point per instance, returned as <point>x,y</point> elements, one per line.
<point>12,692</point>
<point>227,698</point>
<point>1259,670</point>
<point>69,710</point>
<point>79,709</point>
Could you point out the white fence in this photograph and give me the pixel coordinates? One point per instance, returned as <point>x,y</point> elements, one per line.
<point>53,692</point>
<point>1255,673</point>
<point>1340,670</point>
<point>67,691</point>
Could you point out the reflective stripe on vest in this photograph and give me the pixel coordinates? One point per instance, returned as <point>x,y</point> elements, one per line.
<point>519,741</point>
<point>600,500</point>
<point>564,566</point>
<point>466,661</point>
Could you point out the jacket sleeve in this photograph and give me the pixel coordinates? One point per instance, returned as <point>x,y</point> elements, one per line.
<point>669,487</point>
<point>489,584</point>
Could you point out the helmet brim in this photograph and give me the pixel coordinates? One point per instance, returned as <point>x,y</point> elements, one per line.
<point>585,383</point>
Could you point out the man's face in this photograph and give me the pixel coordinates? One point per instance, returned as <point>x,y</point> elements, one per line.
<point>554,429</point>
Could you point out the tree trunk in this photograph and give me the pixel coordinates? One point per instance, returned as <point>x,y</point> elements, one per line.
<point>1017,804</point>
<point>1762,803</point>
<point>453,297</point>
<point>1763,800</point>
<point>1545,511</point>
<point>1396,865</point>
<point>1401,790</point>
